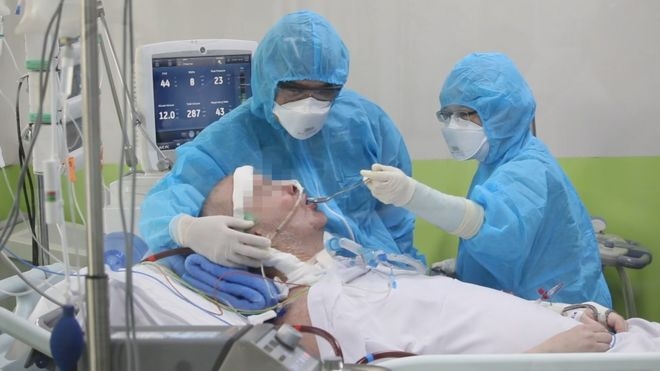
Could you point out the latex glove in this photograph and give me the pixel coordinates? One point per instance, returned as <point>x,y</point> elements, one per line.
<point>445,267</point>
<point>456,215</point>
<point>389,184</point>
<point>219,238</point>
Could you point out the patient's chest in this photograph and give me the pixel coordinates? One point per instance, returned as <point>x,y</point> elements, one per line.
<point>428,315</point>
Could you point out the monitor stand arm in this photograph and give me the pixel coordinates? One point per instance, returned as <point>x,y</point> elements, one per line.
<point>130,157</point>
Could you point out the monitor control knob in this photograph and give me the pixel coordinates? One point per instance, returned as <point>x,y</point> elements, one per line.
<point>288,336</point>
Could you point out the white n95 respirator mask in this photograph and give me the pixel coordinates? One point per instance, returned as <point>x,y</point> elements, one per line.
<point>303,118</point>
<point>465,139</point>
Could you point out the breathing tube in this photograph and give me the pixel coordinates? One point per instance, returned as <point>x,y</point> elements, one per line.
<point>308,272</point>
<point>372,258</point>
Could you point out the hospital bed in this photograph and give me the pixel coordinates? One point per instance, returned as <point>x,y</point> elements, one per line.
<point>615,251</point>
<point>238,345</point>
<point>623,254</point>
<point>528,362</point>
<point>14,325</point>
<point>205,342</point>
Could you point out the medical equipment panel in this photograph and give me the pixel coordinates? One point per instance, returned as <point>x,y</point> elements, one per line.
<point>183,86</point>
<point>222,348</point>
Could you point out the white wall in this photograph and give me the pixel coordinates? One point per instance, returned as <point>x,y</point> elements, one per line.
<point>594,65</point>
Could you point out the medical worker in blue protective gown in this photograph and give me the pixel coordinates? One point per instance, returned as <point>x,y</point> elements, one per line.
<point>522,227</point>
<point>300,123</point>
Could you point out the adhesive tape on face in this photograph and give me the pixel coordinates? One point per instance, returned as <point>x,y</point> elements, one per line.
<point>243,181</point>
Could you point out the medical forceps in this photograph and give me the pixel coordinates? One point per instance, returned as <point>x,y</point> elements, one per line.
<point>321,199</point>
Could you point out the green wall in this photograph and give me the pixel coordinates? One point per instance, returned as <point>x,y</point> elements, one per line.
<point>110,173</point>
<point>623,191</point>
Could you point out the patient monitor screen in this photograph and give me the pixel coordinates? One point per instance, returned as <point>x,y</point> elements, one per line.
<point>181,87</point>
<point>192,92</point>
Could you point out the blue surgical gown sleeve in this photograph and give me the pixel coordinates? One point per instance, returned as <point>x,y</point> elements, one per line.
<point>536,233</point>
<point>180,192</point>
<point>398,221</point>
<point>533,221</point>
<point>356,134</point>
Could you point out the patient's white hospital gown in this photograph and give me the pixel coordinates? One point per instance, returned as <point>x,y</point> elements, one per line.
<point>423,315</point>
<point>438,315</point>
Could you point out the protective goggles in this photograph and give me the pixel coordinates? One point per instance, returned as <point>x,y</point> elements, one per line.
<point>288,91</point>
<point>444,116</point>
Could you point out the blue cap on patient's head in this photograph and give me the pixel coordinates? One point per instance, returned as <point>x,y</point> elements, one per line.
<point>114,249</point>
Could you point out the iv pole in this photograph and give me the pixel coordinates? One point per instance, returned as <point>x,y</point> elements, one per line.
<point>96,281</point>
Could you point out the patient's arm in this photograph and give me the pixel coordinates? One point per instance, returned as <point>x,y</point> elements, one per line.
<point>590,310</point>
<point>588,337</point>
<point>615,321</point>
<point>297,313</point>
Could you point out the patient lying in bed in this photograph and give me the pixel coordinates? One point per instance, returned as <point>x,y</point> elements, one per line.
<point>384,308</point>
<point>371,308</point>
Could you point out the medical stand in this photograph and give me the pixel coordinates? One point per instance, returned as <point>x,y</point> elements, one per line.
<point>96,280</point>
<point>621,254</point>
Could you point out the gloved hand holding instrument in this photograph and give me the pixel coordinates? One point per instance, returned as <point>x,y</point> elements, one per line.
<point>456,215</point>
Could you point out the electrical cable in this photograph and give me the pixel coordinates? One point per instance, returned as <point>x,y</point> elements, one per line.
<point>163,271</point>
<point>20,293</point>
<point>43,79</point>
<point>36,245</point>
<point>27,195</point>
<point>32,234</point>
<point>46,282</point>
<point>177,293</point>
<point>28,264</point>
<point>34,237</point>
<point>132,357</point>
<point>5,258</point>
<point>14,211</point>
<point>66,64</point>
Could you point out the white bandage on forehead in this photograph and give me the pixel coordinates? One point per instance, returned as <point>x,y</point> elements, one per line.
<point>243,183</point>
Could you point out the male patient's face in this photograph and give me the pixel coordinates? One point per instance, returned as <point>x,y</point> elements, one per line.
<point>273,200</point>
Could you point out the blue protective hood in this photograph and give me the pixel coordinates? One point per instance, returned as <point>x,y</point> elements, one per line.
<point>356,134</point>
<point>321,57</point>
<point>536,233</point>
<point>490,84</point>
